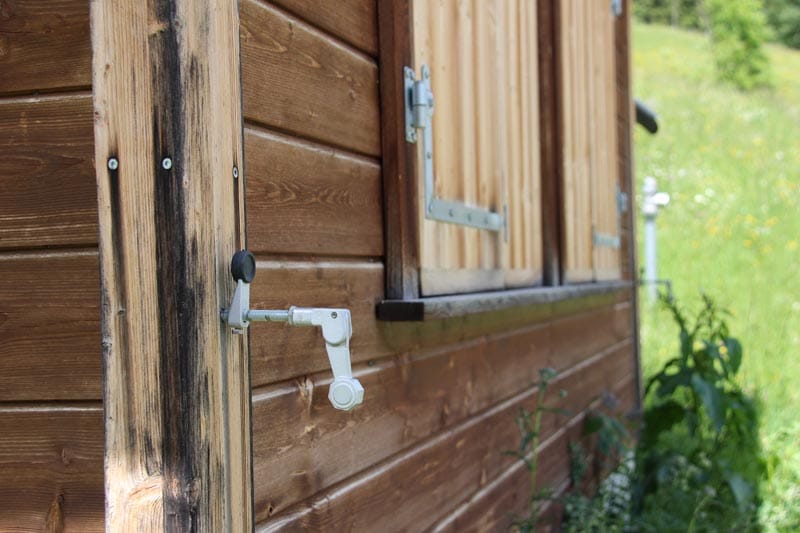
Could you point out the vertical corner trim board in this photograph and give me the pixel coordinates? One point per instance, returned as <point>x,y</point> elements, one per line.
<point>168,134</point>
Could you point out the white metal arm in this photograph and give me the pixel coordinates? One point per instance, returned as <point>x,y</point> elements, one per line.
<point>345,392</point>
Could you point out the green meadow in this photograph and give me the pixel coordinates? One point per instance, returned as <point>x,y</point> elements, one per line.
<point>731,163</point>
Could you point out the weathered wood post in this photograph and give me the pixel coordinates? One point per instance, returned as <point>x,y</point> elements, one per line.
<point>168,148</point>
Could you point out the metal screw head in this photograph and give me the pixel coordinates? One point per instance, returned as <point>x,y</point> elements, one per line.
<point>334,314</point>
<point>113,164</point>
<point>166,163</point>
<point>235,172</point>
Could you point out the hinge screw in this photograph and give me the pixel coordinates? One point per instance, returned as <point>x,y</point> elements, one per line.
<point>166,163</point>
<point>113,164</point>
<point>235,172</point>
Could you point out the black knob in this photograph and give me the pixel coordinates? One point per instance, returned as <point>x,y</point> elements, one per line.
<point>243,266</point>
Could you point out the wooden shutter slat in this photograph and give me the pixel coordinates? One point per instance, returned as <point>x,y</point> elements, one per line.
<point>590,143</point>
<point>483,57</point>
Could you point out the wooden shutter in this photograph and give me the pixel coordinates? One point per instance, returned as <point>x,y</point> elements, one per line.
<point>589,149</point>
<point>483,60</point>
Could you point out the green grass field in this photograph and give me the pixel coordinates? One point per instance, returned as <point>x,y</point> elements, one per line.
<point>731,162</point>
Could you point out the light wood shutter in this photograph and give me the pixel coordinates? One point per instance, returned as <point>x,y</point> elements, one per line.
<point>483,60</point>
<point>589,150</point>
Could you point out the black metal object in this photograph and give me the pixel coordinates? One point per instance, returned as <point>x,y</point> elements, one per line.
<point>243,266</point>
<point>646,117</point>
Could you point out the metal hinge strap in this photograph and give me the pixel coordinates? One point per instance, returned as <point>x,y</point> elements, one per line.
<point>418,112</point>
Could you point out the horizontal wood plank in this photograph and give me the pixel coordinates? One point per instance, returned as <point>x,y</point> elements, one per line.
<point>296,79</point>
<point>51,468</point>
<point>279,352</point>
<point>50,327</point>
<point>492,507</point>
<point>308,198</point>
<point>47,187</point>
<point>408,398</point>
<point>414,488</point>
<point>353,21</point>
<point>44,45</point>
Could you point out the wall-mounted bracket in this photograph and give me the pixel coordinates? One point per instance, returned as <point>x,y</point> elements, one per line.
<point>604,239</point>
<point>612,241</point>
<point>419,113</point>
<point>345,392</point>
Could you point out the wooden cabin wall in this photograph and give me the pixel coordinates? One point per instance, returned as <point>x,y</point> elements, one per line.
<point>425,449</point>
<point>51,417</point>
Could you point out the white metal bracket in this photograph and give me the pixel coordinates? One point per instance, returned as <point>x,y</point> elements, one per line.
<point>345,392</point>
<point>419,113</point>
<point>612,241</point>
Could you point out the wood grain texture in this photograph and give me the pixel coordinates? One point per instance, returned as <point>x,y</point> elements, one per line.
<point>176,396</point>
<point>625,122</point>
<point>308,198</point>
<point>410,397</point>
<point>47,188</point>
<point>492,507</point>
<point>280,352</point>
<point>298,80</point>
<point>589,139</point>
<point>50,327</point>
<point>550,127</point>
<point>399,157</point>
<point>353,21</point>
<point>606,218</point>
<point>51,468</point>
<point>576,150</point>
<point>44,45</point>
<point>414,488</point>
<point>484,77</point>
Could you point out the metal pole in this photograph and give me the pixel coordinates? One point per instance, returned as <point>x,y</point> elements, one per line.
<point>650,257</point>
<point>652,201</point>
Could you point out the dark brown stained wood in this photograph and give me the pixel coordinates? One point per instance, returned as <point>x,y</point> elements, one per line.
<point>280,352</point>
<point>411,490</point>
<point>409,399</point>
<point>308,198</point>
<point>622,37</point>
<point>353,21</point>
<point>50,326</point>
<point>491,508</point>
<point>51,467</point>
<point>442,307</point>
<point>167,107</point>
<point>399,156</point>
<point>47,188</point>
<point>549,141</point>
<point>44,45</point>
<point>297,79</point>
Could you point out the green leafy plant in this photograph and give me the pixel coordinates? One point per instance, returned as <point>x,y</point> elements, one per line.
<point>697,464</point>
<point>530,426</point>
<point>738,31</point>
<point>698,461</point>
<point>607,509</point>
